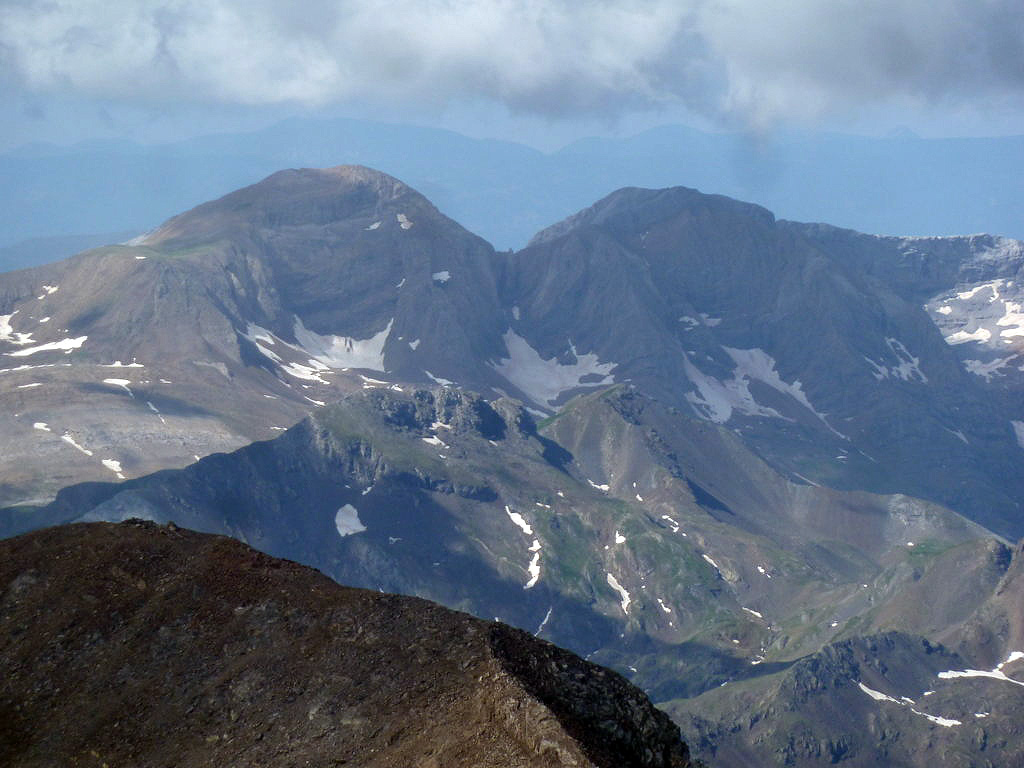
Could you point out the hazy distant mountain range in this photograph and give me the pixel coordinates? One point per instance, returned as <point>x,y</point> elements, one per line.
<point>769,471</point>
<point>505,191</point>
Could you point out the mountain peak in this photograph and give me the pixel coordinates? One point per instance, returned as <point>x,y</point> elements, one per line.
<point>636,209</point>
<point>293,198</point>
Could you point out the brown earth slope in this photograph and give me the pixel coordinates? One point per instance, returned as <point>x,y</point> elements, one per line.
<point>143,645</point>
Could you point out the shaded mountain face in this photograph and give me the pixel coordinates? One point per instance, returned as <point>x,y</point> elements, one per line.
<point>624,529</point>
<point>146,645</point>
<point>815,350</point>
<point>971,287</point>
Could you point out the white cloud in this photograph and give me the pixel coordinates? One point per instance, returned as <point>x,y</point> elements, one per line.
<point>747,59</point>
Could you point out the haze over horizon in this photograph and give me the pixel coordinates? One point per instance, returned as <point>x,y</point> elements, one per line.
<point>540,73</point>
<point>810,113</point>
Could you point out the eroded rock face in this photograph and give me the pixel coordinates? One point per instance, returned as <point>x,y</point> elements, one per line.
<point>138,644</point>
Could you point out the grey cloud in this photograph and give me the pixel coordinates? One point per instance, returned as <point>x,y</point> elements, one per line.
<point>744,60</point>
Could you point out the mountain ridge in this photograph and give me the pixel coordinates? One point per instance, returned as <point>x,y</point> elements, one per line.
<point>777,329</point>
<point>176,647</point>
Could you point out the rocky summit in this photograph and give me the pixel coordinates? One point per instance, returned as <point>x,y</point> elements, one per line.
<point>138,644</point>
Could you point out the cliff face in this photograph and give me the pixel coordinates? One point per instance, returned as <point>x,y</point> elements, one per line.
<point>137,644</point>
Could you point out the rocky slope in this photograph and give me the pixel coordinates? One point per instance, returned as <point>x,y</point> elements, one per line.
<point>889,699</point>
<point>649,540</point>
<point>233,321</point>
<point>823,360</point>
<point>145,645</point>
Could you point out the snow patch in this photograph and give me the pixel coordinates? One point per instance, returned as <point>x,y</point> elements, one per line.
<point>716,400</point>
<point>757,364</point>
<point>907,367</point>
<point>7,333</point>
<point>42,426</point>
<point>995,674</point>
<point>114,466</point>
<point>414,344</point>
<point>122,383</point>
<point>877,695</point>
<point>544,381</point>
<point>807,480</point>
<point>623,594</point>
<point>543,623</point>
<point>534,567</point>
<point>344,351</point>
<point>375,225</point>
<point>519,520</point>
<point>664,607</point>
<point>987,313</point>
<point>515,313</point>
<point>970,294</point>
<point>438,380</point>
<point>619,538</point>
<point>601,487</point>
<point>944,722</point>
<point>1013,318</point>
<point>403,221</point>
<point>962,337</point>
<point>1014,656</point>
<point>67,438</point>
<point>990,368</point>
<point>441,277</point>
<point>710,561</point>
<point>29,386</point>
<point>311,372</point>
<point>156,410</point>
<point>119,364</point>
<point>64,345</point>
<point>347,522</point>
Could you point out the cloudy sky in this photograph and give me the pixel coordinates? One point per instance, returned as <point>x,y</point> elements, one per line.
<point>156,69</point>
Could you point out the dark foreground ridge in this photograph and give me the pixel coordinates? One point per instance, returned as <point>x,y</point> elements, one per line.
<point>139,644</point>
